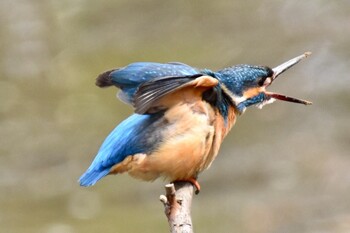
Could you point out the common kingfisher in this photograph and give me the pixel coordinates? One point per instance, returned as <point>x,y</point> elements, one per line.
<point>182,114</point>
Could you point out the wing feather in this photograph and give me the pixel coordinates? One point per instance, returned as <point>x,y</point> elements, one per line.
<point>130,77</point>
<point>150,92</point>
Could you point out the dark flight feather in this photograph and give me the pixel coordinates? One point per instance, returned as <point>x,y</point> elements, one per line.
<point>149,92</point>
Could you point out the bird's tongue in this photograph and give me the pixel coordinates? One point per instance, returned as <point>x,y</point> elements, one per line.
<point>287,98</point>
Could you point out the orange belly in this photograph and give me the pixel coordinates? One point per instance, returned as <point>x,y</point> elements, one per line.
<point>190,144</point>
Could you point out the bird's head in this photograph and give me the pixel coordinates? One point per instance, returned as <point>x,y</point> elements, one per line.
<point>246,84</point>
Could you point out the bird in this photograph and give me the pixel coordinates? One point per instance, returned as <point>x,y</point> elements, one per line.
<point>181,117</point>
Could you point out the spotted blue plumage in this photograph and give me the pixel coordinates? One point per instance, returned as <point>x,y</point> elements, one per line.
<point>130,77</point>
<point>240,78</point>
<point>134,135</point>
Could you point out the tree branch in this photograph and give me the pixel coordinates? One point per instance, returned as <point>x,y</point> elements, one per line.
<point>177,206</point>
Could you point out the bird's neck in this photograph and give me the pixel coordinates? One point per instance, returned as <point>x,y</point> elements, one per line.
<point>230,120</point>
<point>219,99</point>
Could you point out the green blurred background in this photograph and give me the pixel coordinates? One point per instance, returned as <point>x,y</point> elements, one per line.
<point>285,168</point>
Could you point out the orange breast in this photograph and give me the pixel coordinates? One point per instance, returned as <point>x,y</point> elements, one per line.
<point>189,147</point>
<point>190,142</point>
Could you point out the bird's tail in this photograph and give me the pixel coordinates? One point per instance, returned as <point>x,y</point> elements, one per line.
<point>90,177</point>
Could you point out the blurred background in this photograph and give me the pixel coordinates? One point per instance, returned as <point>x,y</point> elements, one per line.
<point>285,168</point>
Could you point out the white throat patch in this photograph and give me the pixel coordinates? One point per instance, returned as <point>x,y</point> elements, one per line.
<point>262,104</point>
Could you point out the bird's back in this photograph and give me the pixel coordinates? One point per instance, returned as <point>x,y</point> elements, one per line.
<point>136,134</point>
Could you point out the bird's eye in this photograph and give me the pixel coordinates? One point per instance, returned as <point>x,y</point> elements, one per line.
<point>261,82</point>
<point>265,81</point>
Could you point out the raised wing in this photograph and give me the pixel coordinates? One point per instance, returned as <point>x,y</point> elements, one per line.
<point>149,93</point>
<point>130,77</point>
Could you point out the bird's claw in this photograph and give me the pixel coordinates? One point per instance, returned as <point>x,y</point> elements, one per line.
<point>194,182</point>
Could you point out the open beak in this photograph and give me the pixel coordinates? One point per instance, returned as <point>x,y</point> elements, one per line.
<point>279,70</point>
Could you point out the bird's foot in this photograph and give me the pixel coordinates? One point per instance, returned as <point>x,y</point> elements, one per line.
<point>193,181</point>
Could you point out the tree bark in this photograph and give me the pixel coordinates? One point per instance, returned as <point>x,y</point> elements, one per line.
<point>177,206</point>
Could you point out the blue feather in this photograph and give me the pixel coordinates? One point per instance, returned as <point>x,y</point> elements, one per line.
<point>134,135</point>
<point>239,78</point>
<point>129,78</point>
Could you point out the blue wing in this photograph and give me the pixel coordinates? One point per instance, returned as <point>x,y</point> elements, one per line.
<point>134,135</point>
<point>130,77</point>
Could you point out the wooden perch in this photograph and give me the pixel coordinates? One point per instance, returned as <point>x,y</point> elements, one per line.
<point>177,203</point>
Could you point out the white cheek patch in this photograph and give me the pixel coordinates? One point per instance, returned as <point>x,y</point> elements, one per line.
<point>235,98</point>
<point>238,99</point>
<point>262,104</point>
